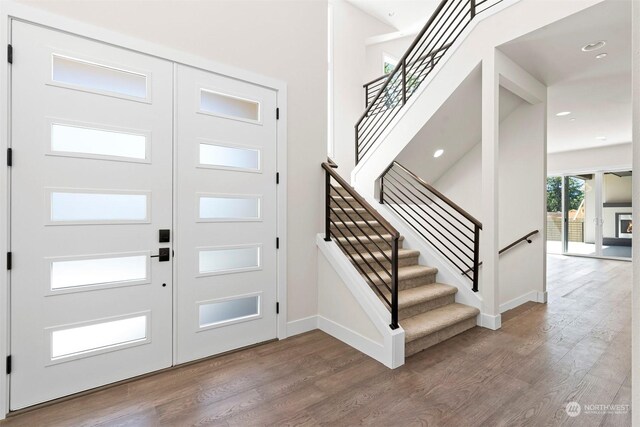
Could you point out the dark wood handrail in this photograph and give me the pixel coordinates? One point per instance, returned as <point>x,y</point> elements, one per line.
<point>353,193</point>
<point>522,239</point>
<point>526,238</point>
<point>441,196</point>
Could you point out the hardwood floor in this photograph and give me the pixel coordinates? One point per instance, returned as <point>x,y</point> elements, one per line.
<point>575,348</point>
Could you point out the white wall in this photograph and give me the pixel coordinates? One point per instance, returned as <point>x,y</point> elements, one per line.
<point>286,40</point>
<point>351,27</point>
<point>521,197</point>
<point>396,48</point>
<point>591,159</point>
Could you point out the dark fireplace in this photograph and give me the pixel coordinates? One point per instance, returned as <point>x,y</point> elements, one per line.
<point>624,225</point>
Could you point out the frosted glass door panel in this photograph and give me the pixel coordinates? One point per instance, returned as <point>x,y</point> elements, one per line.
<point>97,207</point>
<point>216,261</point>
<point>220,208</point>
<point>96,77</point>
<point>97,142</point>
<point>228,311</point>
<point>229,106</point>
<point>90,338</point>
<point>97,271</point>
<point>229,157</point>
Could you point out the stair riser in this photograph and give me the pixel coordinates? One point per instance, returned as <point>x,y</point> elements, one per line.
<point>425,342</point>
<point>351,216</point>
<point>341,190</point>
<point>402,262</point>
<point>407,312</point>
<point>370,229</point>
<point>426,279</point>
<point>347,202</point>
<point>357,247</point>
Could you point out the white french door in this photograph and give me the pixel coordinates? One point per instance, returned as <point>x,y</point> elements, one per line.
<point>102,185</point>
<point>226,214</point>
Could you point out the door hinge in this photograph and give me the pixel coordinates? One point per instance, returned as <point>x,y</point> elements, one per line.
<point>9,259</point>
<point>9,157</point>
<point>277,177</point>
<point>10,54</point>
<point>277,308</point>
<point>8,365</point>
<point>277,111</point>
<point>277,243</point>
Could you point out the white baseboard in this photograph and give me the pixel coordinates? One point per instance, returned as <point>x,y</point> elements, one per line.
<point>541,297</point>
<point>534,296</point>
<point>301,326</point>
<point>490,322</point>
<point>354,339</point>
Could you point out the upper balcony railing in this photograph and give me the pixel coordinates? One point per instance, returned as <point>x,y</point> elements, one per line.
<point>387,95</point>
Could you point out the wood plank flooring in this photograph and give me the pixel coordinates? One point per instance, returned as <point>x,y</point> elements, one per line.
<point>575,348</point>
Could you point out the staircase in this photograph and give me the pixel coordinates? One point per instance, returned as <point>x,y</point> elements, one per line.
<point>426,309</point>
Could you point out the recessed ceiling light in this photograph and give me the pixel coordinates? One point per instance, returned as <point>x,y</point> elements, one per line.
<point>601,138</point>
<point>438,153</point>
<point>563,113</point>
<point>602,55</point>
<point>594,46</point>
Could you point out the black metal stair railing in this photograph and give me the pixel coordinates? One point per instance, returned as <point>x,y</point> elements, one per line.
<point>444,225</point>
<point>356,227</point>
<point>386,96</point>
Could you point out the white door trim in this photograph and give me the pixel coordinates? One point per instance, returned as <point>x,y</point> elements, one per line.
<point>9,10</point>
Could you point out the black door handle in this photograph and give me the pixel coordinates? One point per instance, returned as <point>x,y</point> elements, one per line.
<point>164,254</point>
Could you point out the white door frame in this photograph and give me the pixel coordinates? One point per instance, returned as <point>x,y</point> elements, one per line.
<point>11,10</point>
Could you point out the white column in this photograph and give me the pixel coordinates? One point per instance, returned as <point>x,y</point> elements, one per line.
<point>490,161</point>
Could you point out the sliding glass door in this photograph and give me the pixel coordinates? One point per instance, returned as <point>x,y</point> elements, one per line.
<point>590,214</point>
<point>617,225</point>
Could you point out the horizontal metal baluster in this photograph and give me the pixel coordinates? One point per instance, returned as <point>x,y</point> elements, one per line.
<point>418,189</point>
<point>462,251</point>
<point>366,274</point>
<point>363,244</point>
<point>426,238</point>
<point>440,232</point>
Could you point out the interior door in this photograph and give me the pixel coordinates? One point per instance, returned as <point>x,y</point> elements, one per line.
<point>91,186</point>
<point>225,214</point>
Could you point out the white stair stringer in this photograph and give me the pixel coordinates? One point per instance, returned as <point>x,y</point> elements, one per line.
<point>349,309</point>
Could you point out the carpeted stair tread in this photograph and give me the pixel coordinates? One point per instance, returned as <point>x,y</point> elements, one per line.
<point>435,320</point>
<point>407,273</point>
<point>402,253</point>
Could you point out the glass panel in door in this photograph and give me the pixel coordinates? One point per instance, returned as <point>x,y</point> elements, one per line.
<point>580,215</point>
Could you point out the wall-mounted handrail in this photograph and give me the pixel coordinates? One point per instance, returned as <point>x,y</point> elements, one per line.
<point>368,247</point>
<point>525,238</point>
<point>448,228</point>
<point>385,100</point>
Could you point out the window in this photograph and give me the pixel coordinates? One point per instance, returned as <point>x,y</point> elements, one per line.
<point>217,313</point>
<point>229,106</point>
<point>87,206</point>
<point>388,63</point>
<point>97,78</point>
<point>228,260</point>
<point>229,157</point>
<point>229,208</point>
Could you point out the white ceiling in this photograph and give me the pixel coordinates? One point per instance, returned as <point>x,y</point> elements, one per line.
<point>407,15</point>
<point>596,91</point>
<point>443,130</point>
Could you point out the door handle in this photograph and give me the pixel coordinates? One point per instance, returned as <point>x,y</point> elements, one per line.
<point>164,254</point>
